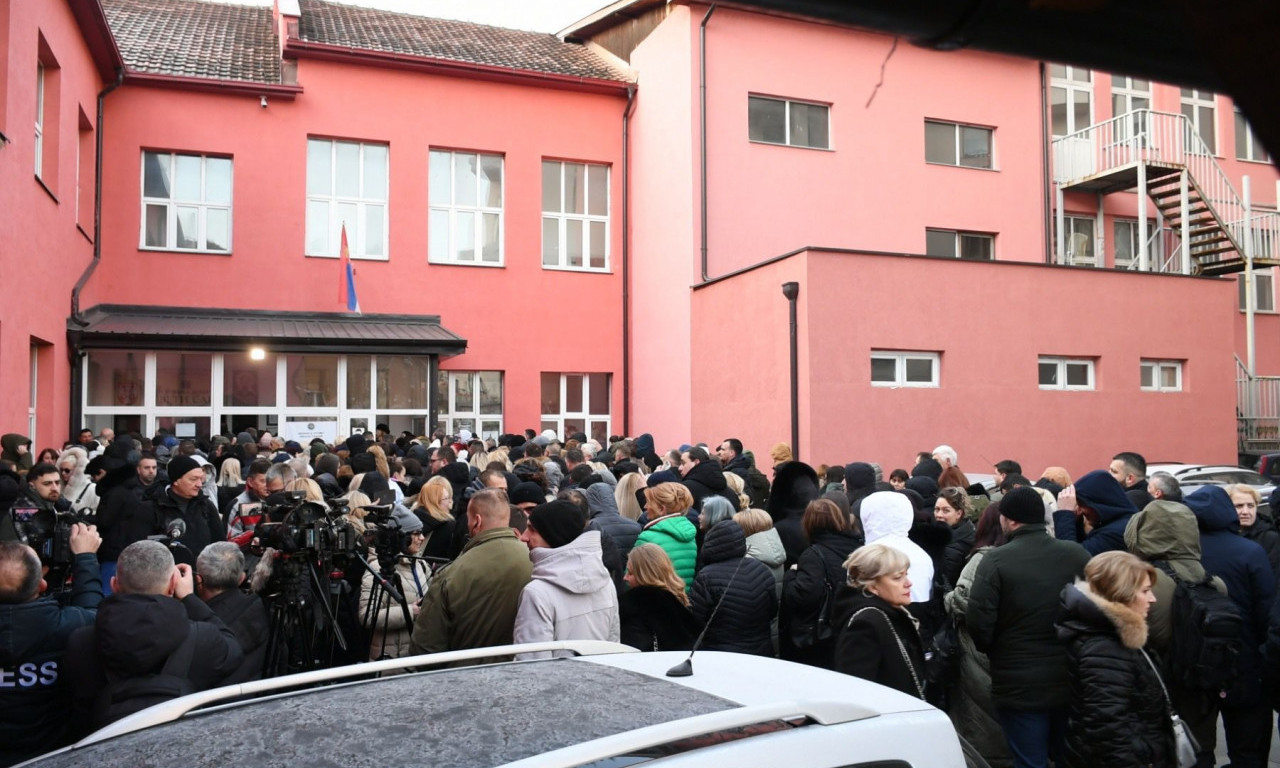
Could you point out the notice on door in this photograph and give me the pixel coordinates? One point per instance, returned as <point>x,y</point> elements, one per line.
<point>306,430</point>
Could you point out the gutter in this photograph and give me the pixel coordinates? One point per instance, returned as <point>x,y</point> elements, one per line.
<point>210,85</point>
<point>702,132</point>
<point>1046,140</point>
<point>626,260</point>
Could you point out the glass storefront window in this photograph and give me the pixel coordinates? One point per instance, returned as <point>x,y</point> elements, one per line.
<point>115,377</point>
<point>402,382</point>
<point>247,382</point>
<point>183,379</point>
<point>358,395</point>
<point>184,427</point>
<point>490,392</point>
<point>312,381</point>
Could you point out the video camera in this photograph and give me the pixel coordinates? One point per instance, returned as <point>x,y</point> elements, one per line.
<point>295,527</point>
<point>48,532</point>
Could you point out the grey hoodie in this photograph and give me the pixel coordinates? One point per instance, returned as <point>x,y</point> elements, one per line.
<point>766,546</point>
<point>571,597</point>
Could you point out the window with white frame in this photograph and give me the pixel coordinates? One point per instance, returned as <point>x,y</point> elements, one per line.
<point>1130,94</point>
<point>465,208</point>
<point>1066,373</point>
<point>575,216</point>
<point>39,140</point>
<point>1125,236</point>
<point>1070,98</point>
<point>1247,145</point>
<point>1079,238</point>
<point>1264,292</point>
<point>346,185</point>
<point>470,400</point>
<point>1161,376</point>
<point>793,123</point>
<point>953,244</point>
<point>186,202</point>
<point>955,144</point>
<point>1200,109</point>
<point>577,402</point>
<point>33,392</point>
<point>904,369</point>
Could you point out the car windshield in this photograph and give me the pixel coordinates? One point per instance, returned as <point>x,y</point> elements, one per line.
<point>480,716</point>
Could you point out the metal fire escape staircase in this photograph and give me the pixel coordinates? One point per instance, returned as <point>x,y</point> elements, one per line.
<point>1162,156</point>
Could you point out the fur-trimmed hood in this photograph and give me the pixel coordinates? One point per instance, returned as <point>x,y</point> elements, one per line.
<point>1086,612</point>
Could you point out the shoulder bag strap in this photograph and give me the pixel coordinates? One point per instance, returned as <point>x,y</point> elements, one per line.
<point>902,648</point>
<point>1167,701</point>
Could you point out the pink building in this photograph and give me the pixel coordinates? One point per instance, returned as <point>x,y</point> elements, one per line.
<point>591,231</point>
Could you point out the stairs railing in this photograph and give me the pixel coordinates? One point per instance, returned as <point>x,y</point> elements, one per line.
<point>1257,410</point>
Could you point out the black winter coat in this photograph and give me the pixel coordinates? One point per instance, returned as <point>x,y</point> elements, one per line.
<point>707,479</point>
<point>803,589</point>
<point>750,598</point>
<point>204,524</point>
<point>1265,535</point>
<point>439,535</point>
<point>1119,716</point>
<point>957,552</point>
<point>795,484</point>
<point>123,515</point>
<point>606,519</point>
<point>867,646</point>
<point>246,616</point>
<point>653,619</point>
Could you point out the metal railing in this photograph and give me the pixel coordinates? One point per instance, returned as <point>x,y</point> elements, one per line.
<point>1257,408</point>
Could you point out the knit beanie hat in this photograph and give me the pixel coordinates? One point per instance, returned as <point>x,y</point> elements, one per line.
<point>1023,505</point>
<point>527,492</point>
<point>559,522</point>
<point>179,466</point>
<point>404,520</point>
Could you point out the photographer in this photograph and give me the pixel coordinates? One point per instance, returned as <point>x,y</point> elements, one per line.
<point>33,635</point>
<point>390,633</point>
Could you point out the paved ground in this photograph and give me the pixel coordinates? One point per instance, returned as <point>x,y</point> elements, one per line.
<point>1273,762</point>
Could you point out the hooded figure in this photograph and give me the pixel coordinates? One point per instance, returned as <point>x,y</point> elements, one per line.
<point>16,448</point>
<point>1107,506</point>
<point>606,518</point>
<point>795,484</point>
<point>887,519</point>
<point>859,482</point>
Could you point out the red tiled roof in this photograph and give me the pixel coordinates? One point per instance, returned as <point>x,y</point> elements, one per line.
<point>187,38</point>
<point>364,28</point>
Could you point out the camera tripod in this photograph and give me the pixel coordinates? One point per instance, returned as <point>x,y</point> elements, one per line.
<point>302,620</point>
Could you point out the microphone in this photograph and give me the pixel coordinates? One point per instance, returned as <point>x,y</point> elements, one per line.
<point>175,528</point>
<point>685,668</point>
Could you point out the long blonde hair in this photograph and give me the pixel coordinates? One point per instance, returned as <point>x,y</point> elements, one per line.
<point>311,487</point>
<point>431,498</point>
<point>734,480</point>
<point>625,495</point>
<point>650,566</point>
<point>356,512</point>
<point>229,473</point>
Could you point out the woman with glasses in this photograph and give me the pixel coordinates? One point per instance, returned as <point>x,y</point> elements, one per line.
<point>432,507</point>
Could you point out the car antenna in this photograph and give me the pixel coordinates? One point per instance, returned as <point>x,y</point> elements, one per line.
<point>685,668</point>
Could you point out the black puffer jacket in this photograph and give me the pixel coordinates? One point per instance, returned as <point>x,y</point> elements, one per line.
<point>795,484</point>
<point>707,479</point>
<point>1266,537</point>
<point>1119,717</point>
<point>653,619</point>
<point>957,552</point>
<point>867,646</point>
<point>750,602</point>
<point>822,563</point>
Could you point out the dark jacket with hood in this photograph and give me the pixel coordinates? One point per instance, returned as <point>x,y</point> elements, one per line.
<point>653,619</point>
<point>606,518</point>
<point>1266,536</point>
<point>1119,716</point>
<point>958,549</point>
<point>867,646</point>
<point>707,479</point>
<point>803,589</point>
<point>9,450</point>
<point>134,636</point>
<point>1242,565</point>
<point>859,483</point>
<point>33,704</point>
<point>1098,491</point>
<point>750,603</point>
<point>795,484</point>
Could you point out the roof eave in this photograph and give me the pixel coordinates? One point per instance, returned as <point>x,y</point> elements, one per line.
<point>607,17</point>
<point>92,20</point>
<point>211,85</point>
<point>327,52</point>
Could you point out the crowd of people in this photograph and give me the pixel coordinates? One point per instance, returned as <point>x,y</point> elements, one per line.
<point>1072,622</point>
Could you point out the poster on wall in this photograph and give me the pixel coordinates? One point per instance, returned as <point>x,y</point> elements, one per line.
<point>306,430</point>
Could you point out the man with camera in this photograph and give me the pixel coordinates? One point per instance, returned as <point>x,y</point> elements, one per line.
<point>44,489</point>
<point>34,632</point>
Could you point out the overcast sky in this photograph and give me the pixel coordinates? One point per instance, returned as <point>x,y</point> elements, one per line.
<point>538,15</point>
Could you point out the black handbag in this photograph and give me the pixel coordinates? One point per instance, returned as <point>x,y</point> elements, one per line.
<point>942,657</point>
<point>806,635</point>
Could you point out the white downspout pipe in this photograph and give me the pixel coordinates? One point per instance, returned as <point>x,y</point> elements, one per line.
<point>1249,299</point>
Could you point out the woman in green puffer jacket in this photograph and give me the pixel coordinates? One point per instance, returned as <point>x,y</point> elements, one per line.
<point>669,528</point>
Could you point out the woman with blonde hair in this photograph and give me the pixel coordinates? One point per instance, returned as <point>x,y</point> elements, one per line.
<point>669,528</point>
<point>356,509</point>
<point>1246,500</point>
<point>229,473</point>
<point>432,508</point>
<point>738,487</point>
<point>1119,708</point>
<point>479,460</point>
<point>306,485</point>
<point>879,640</point>
<point>77,487</point>
<point>654,612</point>
<point>625,494</point>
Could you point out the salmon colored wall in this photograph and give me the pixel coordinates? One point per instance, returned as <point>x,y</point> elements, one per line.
<point>989,406</point>
<point>42,252</point>
<point>521,318</point>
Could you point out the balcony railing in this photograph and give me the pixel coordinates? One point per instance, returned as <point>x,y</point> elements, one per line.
<point>1257,409</point>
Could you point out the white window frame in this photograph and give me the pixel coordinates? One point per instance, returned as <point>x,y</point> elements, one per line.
<point>453,209</point>
<point>958,130</point>
<point>1155,256</point>
<point>39,138</point>
<point>484,424</point>
<point>362,202</point>
<point>33,397</point>
<point>958,236</point>
<point>1156,367</point>
<point>172,204</point>
<point>1062,364</point>
<point>900,369</point>
<point>1194,100</point>
<point>1264,285</point>
<point>1127,97</point>
<point>1067,82</point>
<point>1070,257</point>
<point>562,219</point>
<point>557,420</point>
<point>786,122</point>
<point>1254,152</point>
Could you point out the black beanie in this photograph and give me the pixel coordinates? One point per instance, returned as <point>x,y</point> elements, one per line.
<point>363,462</point>
<point>1022,505</point>
<point>180,466</point>
<point>526,492</point>
<point>559,522</point>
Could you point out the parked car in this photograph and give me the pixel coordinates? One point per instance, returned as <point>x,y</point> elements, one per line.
<point>1191,476</point>
<point>607,706</point>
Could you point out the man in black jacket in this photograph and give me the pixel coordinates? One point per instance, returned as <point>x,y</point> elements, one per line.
<point>151,616</point>
<point>219,574</point>
<point>33,635</point>
<point>184,500</point>
<point>703,477</point>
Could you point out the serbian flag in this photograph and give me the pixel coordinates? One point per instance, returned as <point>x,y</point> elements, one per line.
<point>349,276</point>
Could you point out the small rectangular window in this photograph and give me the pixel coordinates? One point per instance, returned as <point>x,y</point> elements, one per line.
<point>1066,373</point>
<point>1247,145</point>
<point>1079,241</point>
<point>465,217</point>
<point>186,202</point>
<point>968,146</point>
<point>1264,294</point>
<point>575,216</point>
<point>950,243</point>
<point>904,369</point>
<point>347,187</point>
<point>1161,376</point>
<point>794,123</point>
<point>577,402</point>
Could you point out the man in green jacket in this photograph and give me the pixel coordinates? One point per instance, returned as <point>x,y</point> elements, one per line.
<point>1012,609</point>
<point>472,602</point>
